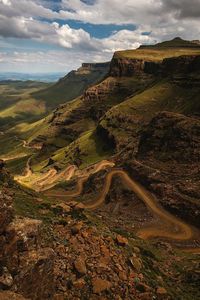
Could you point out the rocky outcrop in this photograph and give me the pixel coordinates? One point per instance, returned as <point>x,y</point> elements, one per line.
<point>87,69</point>
<point>26,267</point>
<point>126,67</point>
<point>183,64</point>
<point>130,67</point>
<point>176,65</point>
<point>171,136</point>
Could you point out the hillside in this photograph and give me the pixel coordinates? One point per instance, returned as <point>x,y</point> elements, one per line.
<point>107,120</point>
<point>24,106</point>
<point>114,176</point>
<point>73,84</point>
<point>138,84</point>
<point>39,237</point>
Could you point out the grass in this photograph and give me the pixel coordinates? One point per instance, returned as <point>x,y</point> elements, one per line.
<point>128,117</point>
<point>70,87</point>
<point>86,150</point>
<point>17,166</point>
<point>155,54</point>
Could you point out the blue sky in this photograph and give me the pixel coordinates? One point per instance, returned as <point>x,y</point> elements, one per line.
<point>58,35</point>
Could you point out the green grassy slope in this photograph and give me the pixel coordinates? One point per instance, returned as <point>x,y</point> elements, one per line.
<point>125,120</point>
<point>118,107</point>
<point>25,107</point>
<point>160,51</point>
<point>72,85</point>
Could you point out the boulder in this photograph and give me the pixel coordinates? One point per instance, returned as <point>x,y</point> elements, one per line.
<point>121,241</point>
<point>80,266</point>
<point>100,285</point>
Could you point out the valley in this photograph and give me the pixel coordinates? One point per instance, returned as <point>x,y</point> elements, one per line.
<point>108,160</point>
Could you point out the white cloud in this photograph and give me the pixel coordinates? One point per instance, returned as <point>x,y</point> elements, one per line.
<point>6,2</point>
<point>37,20</point>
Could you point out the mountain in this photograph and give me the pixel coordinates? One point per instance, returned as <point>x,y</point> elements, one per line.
<point>73,84</point>
<point>175,43</point>
<point>109,118</point>
<point>113,173</point>
<point>24,105</point>
<point>42,77</point>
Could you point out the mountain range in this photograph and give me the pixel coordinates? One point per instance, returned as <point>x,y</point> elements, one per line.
<point>100,176</point>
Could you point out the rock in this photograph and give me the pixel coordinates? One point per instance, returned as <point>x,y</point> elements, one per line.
<point>79,284</point>
<point>136,263</point>
<point>76,228</point>
<point>26,232</point>
<point>146,296</point>
<point>72,203</point>
<point>121,241</point>
<point>100,285</point>
<point>161,291</point>
<point>158,137</point>
<point>6,212</point>
<point>122,275</point>
<point>6,279</point>
<point>7,295</point>
<point>2,164</point>
<point>136,250</point>
<point>142,287</point>
<point>65,208</point>
<point>80,266</point>
<point>36,277</point>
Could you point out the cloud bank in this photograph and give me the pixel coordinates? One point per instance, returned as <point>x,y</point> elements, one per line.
<point>48,22</point>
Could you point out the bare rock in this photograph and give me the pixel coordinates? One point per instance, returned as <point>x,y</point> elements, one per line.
<point>7,295</point>
<point>79,284</point>
<point>36,277</point>
<point>136,263</point>
<point>161,291</point>
<point>6,279</point>
<point>76,228</point>
<point>80,266</point>
<point>100,285</point>
<point>6,211</point>
<point>121,241</point>
<point>64,207</point>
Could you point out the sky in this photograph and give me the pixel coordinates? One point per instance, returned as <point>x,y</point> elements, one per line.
<point>59,35</point>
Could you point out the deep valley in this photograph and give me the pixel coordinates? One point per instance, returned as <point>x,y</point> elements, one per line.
<point>100,179</point>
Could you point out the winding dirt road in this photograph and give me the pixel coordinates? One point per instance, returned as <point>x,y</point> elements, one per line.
<point>172,228</point>
<point>182,232</point>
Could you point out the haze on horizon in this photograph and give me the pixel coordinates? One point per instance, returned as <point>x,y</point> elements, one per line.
<point>58,35</point>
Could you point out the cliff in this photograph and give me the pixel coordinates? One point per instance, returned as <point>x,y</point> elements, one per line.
<point>171,136</point>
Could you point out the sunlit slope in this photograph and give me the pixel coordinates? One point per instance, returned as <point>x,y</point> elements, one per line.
<point>174,48</point>
<point>124,121</point>
<point>74,84</point>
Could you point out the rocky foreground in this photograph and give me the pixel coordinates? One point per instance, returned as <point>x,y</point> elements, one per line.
<point>76,256</point>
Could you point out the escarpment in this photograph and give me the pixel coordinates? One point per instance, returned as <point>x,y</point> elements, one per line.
<point>171,136</point>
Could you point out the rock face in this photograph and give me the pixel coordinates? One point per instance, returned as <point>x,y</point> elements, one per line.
<point>26,267</point>
<point>171,136</point>
<point>182,64</point>
<point>126,67</point>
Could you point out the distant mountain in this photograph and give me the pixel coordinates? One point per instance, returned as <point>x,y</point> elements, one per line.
<point>74,83</point>
<point>175,43</point>
<point>43,77</point>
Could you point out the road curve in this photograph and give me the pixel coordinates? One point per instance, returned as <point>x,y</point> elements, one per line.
<point>183,232</point>
<point>175,228</point>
